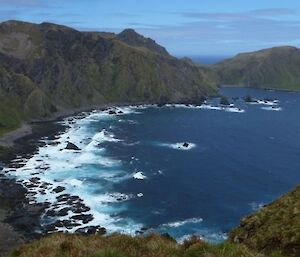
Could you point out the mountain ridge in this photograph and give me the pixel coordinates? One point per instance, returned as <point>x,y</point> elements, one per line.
<point>131,37</point>
<point>271,68</point>
<point>47,68</point>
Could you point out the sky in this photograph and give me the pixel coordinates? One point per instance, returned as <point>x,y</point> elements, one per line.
<point>184,27</point>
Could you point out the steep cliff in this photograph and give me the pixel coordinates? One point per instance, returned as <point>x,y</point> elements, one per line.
<point>47,68</point>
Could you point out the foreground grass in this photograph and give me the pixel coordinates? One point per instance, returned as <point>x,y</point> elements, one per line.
<point>276,226</point>
<point>117,245</point>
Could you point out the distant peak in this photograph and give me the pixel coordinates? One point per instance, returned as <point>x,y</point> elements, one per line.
<point>128,31</point>
<point>131,37</point>
<point>11,22</point>
<point>23,24</point>
<point>54,26</point>
<point>274,49</point>
<point>14,23</point>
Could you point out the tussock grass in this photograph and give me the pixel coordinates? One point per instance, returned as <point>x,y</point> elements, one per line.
<point>117,245</point>
<point>274,227</point>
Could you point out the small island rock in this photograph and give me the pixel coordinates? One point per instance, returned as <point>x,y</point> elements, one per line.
<point>185,144</point>
<point>71,146</point>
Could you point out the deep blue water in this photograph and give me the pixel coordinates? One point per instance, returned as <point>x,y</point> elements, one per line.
<point>241,160</point>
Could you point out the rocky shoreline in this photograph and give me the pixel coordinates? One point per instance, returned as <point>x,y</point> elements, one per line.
<point>20,219</point>
<point>21,216</point>
<point>22,213</point>
<point>14,137</point>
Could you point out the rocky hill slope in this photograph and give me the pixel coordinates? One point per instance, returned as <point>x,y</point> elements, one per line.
<point>277,68</point>
<point>47,68</point>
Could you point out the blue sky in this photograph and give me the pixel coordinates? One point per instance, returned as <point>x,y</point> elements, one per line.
<point>184,27</point>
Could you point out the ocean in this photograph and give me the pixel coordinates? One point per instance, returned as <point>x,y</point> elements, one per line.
<point>208,59</point>
<point>176,169</point>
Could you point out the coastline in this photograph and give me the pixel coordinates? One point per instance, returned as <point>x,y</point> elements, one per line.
<point>39,129</point>
<point>17,216</point>
<point>10,138</point>
<point>18,219</point>
<point>260,88</point>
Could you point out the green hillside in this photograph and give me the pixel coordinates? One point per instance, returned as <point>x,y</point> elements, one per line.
<point>117,245</point>
<point>274,227</point>
<point>47,68</point>
<point>276,68</point>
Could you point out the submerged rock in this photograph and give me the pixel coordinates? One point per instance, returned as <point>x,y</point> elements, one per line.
<point>85,218</point>
<point>63,212</point>
<point>34,180</point>
<point>268,99</point>
<point>50,228</point>
<point>185,144</point>
<point>59,189</point>
<point>71,146</point>
<point>91,230</point>
<point>51,213</point>
<point>111,112</point>
<point>80,207</point>
<point>63,198</point>
<point>161,105</point>
<point>70,224</point>
<point>139,176</point>
<point>58,224</point>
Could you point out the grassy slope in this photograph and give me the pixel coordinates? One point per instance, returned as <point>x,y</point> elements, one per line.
<point>276,68</point>
<point>273,231</point>
<point>276,226</point>
<point>47,68</point>
<point>68,69</point>
<point>11,93</point>
<point>125,246</point>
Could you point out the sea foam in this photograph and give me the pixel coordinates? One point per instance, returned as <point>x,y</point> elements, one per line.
<point>139,175</point>
<point>177,224</point>
<point>178,146</point>
<point>54,166</point>
<point>272,108</point>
